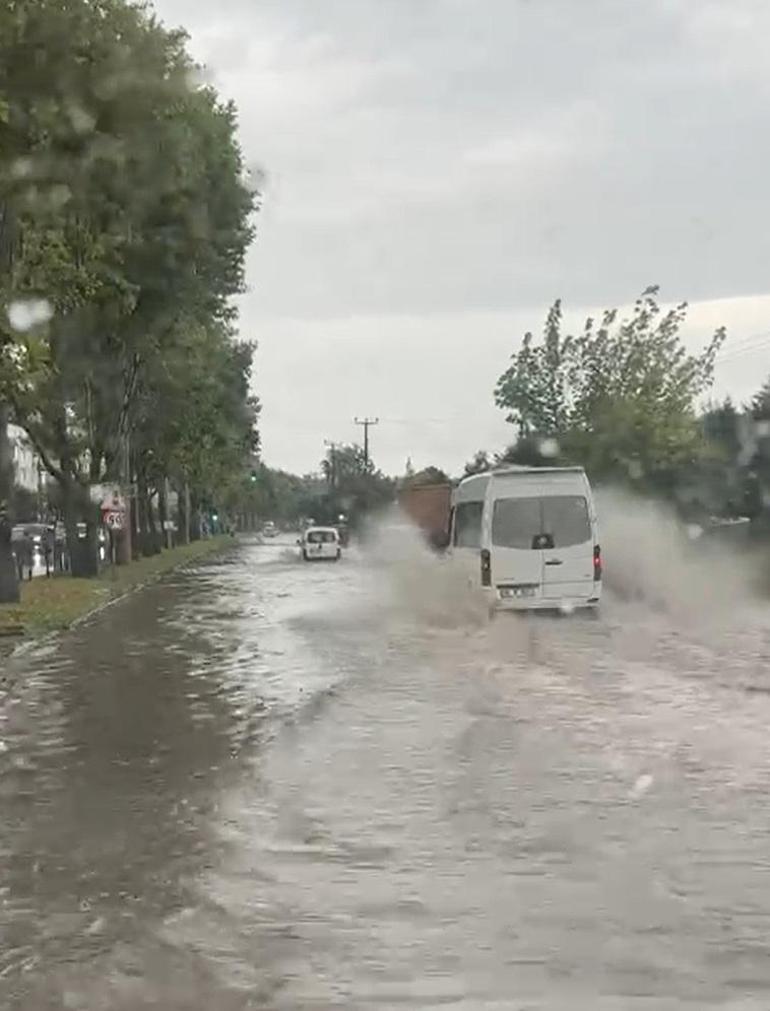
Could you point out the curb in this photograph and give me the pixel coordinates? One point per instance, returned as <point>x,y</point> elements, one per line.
<point>39,640</point>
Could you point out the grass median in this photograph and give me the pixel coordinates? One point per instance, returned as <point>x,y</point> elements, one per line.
<point>51,604</point>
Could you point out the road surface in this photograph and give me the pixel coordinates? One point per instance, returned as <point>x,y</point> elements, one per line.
<point>267,785</point>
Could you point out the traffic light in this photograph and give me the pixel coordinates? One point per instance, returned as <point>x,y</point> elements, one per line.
<point>253,477</point>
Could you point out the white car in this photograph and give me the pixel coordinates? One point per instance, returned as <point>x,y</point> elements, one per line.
<point>320,544</point>
<point>270,530</point>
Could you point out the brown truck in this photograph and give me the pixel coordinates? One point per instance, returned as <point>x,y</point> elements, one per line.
<point>429,506</point>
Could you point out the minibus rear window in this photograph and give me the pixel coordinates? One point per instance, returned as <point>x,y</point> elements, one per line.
<point>468,524</point>
<point>527,524</point>
<point>565,518</point>
<point>517,523</point>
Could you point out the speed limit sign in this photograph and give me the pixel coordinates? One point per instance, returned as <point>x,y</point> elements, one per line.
<point>114,510</point>
<point>113,519</point>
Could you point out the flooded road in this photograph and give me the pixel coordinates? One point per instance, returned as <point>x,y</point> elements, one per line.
<point>266,785</point>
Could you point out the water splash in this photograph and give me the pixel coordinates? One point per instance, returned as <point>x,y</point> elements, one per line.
<point>651,557</point>
<point>433,589</point>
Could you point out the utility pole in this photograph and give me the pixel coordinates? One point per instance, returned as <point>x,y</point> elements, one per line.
<point>333,447</point>
<point>366,424</point>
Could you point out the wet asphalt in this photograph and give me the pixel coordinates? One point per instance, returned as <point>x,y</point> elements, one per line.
<point>265,784</point>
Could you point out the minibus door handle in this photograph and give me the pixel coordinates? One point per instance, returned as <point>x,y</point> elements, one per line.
<point>554,561</point>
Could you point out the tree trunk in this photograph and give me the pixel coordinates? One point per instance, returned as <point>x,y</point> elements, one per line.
<point>123,548</point>
<point>9,584</point>
<point>163,513</point>
<point>187,506</point>
<point>152,527</point>
<point>83,551</point>
<point>135,527</point>
<point>142,505</point>
<point>195,517</point>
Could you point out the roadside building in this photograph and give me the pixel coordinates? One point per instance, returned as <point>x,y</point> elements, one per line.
<point>26,465</point>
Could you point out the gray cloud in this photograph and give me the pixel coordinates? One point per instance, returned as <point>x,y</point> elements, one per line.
<point>451,156</point>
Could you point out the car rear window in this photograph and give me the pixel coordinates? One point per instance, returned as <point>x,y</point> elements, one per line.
<point>321,537</point>
<point>555,521</point>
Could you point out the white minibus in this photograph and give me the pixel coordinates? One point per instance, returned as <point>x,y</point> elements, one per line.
<point>529,537</point>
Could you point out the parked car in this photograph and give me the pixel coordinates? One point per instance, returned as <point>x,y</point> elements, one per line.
<point>270,530</point>
<point>320,544</point>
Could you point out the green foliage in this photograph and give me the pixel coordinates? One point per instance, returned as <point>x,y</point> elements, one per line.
<point>758,452</point>
<point>123,207</point>
<point>619,397</point>
<point>480,463</point>
<point>355,486</point>
<point>266,493</point>
<point>194,418</point>
<point>533,451</point>
<point>428,475</point>
<point>760,404</point>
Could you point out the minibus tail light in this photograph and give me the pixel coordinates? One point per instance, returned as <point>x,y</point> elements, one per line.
<point>486,568</point>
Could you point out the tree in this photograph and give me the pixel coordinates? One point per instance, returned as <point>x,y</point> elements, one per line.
<point>619,397</point>
<point>359,487</point>
<point>533,451</point>
<point>478,464</point>
<point>430,475</point>
<point>731,476</point>
<point>713,482</point>
<point>9,586</point>
<point>195,422</point>
<point>760,403</point>
<point>124,186</point>
<point>758,470</point>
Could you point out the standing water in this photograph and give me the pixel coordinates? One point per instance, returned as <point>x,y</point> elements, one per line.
<point>266,784</point>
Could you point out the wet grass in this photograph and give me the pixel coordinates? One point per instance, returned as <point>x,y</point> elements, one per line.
<point>51,604</point>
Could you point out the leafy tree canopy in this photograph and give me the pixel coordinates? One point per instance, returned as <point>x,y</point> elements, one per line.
<point>620,396</point>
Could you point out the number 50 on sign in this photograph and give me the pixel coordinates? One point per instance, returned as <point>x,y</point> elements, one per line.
<point>113,519</point>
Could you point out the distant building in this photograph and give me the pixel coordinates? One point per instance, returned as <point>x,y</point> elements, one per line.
<point>26,464</point>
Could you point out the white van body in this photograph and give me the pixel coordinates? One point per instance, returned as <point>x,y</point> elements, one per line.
<point>321,543</point>
<point>529,537</point>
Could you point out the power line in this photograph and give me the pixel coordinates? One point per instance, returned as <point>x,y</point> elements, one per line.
<point>751,344</point>
<point>366,424</point>
<point>447,419</point>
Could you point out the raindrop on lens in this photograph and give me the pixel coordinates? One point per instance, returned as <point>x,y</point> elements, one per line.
<point>24,314</point>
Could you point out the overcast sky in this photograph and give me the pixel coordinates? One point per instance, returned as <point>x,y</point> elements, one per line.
<point>438,171</point>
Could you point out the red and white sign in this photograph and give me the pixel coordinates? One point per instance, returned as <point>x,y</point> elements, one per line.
<point>114,510</point>
<point>114,502</point>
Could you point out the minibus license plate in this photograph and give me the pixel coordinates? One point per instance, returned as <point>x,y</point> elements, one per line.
<point>517,591</point>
